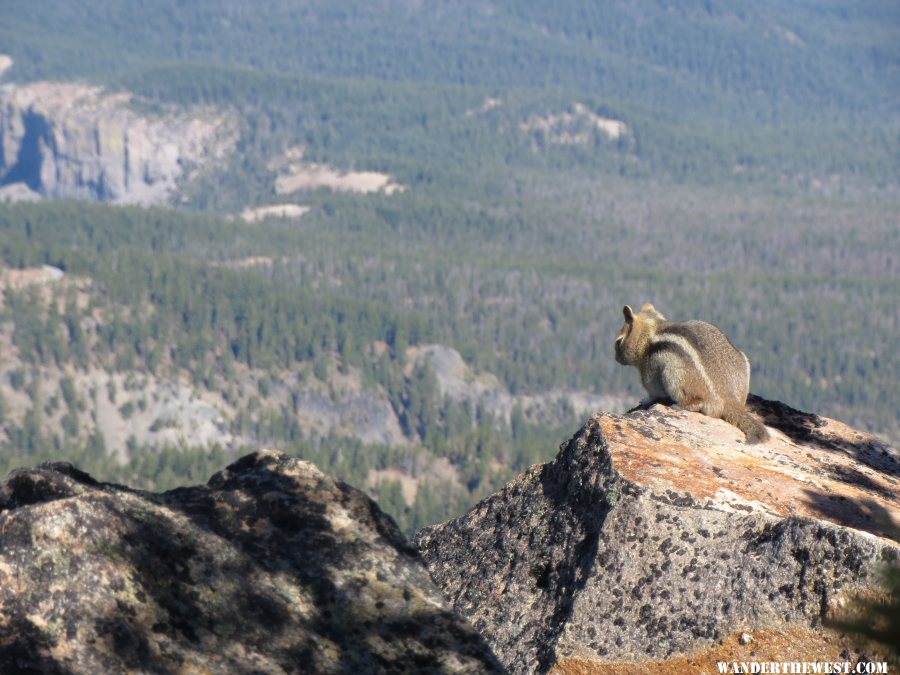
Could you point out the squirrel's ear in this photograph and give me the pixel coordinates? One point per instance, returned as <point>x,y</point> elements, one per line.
<point>628,313</point>
<point>649,310</point>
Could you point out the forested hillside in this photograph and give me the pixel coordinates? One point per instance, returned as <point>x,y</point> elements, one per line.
<point>707,89</point>
<point>536,304</point>
<point>823,59</point>
<point>546,165</point>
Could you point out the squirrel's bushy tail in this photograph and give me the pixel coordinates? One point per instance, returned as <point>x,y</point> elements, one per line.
<point>753,429</point>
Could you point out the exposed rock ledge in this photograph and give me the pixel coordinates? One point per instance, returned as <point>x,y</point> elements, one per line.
<point>656,539</point>
<point>271,567</point>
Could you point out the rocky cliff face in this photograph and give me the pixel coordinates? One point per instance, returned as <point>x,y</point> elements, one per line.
<point>659,540</point>
<point>270,567</point>
<point>74,140</point>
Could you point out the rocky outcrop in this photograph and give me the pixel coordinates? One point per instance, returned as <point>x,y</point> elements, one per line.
<point>75,140</point>
<point>659,540</point>
<point>270,567</point>
<point>296,175</point>
<point>459,382</point>
<point>142,409</point>
<point>365,415</point>
<point>576,126</point>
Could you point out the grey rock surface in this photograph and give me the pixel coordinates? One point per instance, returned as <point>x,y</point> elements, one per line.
<point>271,567</point>
<point>660,534</point>
<point>460,382</point>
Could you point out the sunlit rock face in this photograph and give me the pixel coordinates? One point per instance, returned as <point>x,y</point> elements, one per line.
<point>75,140</point>
<point>660,539</point>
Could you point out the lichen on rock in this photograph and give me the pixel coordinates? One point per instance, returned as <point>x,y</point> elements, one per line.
<point>661,534</point>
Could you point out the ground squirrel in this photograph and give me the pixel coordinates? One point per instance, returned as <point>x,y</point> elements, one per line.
<point>690,363</point>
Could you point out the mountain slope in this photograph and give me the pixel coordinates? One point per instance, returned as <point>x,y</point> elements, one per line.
<point>765,61</point>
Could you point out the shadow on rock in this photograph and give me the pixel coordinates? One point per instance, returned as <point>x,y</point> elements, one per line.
<point>270,567</point>
<point>809,429</point>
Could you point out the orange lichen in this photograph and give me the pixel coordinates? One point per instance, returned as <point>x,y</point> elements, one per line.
<point>818,474</point>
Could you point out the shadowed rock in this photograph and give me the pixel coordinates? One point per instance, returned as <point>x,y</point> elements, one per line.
<point>271,567</point>
<point>656,539</point>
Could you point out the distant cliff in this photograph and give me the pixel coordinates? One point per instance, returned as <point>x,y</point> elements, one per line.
<point>75,140</point>
<point>271,567</point>
<point>660,542</point>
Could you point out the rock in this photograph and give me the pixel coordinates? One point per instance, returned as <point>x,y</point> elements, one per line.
<point>163,412</point>
<point>18,192</point>
<point>251,215</point>
<point>458,381</point>
<point>295,175</point>
<point>75,140</point>
<point>655,539</point>
<point>576,126</point>
<point>365,415</point>
<point>270,567</point>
